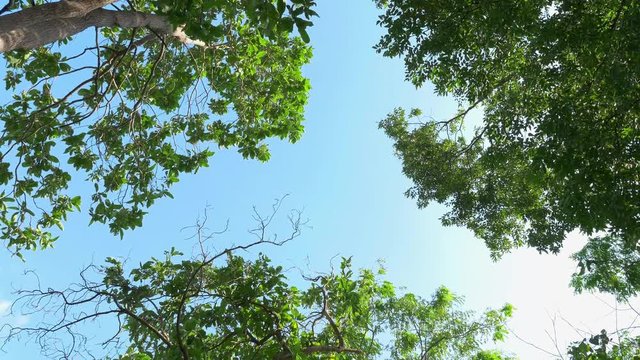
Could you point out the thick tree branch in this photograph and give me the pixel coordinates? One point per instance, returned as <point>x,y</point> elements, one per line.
<point>64,9</point>
<point>45,24</point>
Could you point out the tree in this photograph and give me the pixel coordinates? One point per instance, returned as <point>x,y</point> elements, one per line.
<point>602,347</point>
<point>607,264</point>
<point>557,148</point>
<point>220,305</point>
<point>491,355</point>
<point>147,96</point>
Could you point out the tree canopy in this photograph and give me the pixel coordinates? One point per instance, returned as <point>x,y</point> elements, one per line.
<point>558,144</point>
<point>150,94</point>
<point>128,96</point>
<point>602,347</point>
<point>220,305</point>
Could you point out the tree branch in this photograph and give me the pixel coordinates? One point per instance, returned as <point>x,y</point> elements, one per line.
<point>45,24</point>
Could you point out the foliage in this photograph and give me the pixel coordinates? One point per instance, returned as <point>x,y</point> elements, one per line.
<point>224,306</point>
<point>131,111</point>
<point>601,347</point>
<point>491,355</point>
<point>557,147</point>
<point>607,264</point>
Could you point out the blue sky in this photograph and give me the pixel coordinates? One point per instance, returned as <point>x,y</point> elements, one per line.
<point>344,175</point>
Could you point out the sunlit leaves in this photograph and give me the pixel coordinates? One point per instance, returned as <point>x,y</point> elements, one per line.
<point>239,308</point>
<point>132,112</point>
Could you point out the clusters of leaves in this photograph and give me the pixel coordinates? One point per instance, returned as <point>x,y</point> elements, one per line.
<point>130,111</point>
<point>601,347</point>
<point>492,355</point>
<point>558,145</point>
<point>607,264</point>
<point>434,329</point>
<point>228,307</point>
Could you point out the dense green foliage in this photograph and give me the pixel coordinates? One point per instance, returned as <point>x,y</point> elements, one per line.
<point>601,347</point>
<point>228,307</point>
<point>558,145</point>
<point>491,355</point>
<point>130,111</point>
<point>608,264</point>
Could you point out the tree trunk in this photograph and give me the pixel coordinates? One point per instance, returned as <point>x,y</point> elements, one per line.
<point>44,24</point>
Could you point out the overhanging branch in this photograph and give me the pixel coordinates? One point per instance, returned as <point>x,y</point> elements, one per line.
<point>44,24</point>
